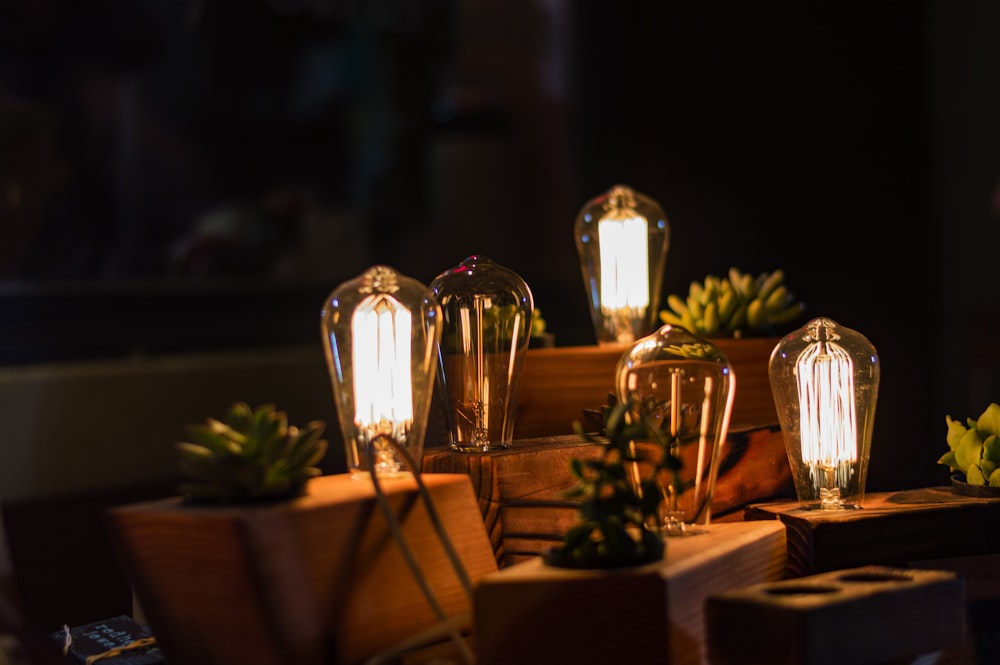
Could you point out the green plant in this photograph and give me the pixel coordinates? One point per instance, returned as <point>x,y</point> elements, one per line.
<point>253,454</point>
<point>974,450</point>
<point>537,323</point>
<point>619,506</point>
<point>734,306</point>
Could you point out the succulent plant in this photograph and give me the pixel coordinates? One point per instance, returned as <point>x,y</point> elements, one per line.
<point>619,511</point>
<point>974,447</point>
<point>251,455</point>
<point>537,323</point>
<point>737,305</point>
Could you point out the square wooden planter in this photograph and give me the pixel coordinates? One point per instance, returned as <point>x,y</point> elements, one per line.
<point>560,382</point>
<point>534,614</point>
<point>315,580</point>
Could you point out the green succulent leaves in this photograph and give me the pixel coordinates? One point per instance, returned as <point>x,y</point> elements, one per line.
<point>251,455</point>
<point>974,447</point>
<point>733,306</point>
<point>617,507</point>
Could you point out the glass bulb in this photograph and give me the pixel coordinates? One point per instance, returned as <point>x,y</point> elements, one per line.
<point>487,312</point>
<point>692,386</point>
<point>380,335</point>
<point>824,378</point>
<point>622,238</point>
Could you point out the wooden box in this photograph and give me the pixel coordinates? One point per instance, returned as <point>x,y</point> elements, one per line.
<point>871,614</point>
<point>531,613</point>
<point>558,383</point>
<point>912,527</point>
<point>521,489</point>
<point>314,580</point>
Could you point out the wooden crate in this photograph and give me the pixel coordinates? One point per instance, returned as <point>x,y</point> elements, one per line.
<point>531,613</point>
<point>871,614</point>
<point>521,489</point>
<point>559,383</point>
<point>311,581</point>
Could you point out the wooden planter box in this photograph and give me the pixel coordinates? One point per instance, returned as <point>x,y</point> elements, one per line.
<point>533,614</point>
<point>316,580</point>
<point>559,383</point>
<point>521,489</point>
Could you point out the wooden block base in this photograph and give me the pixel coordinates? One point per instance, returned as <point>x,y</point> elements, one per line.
<point>521,489</point>
<point>531,613</point>
<point>559,383</point>
<point>895,529</point>
<point>314,580</point>
<point>862,615</point>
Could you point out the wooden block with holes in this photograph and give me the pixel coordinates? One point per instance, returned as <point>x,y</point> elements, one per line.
<point>531,613</point>
<point>520,489</point>
<point>314,580</point>
<point>871,614</point>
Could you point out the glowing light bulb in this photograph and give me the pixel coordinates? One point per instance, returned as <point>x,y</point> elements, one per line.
<point>824,379</point>
<point>622,238</point>
<point>381,332</point>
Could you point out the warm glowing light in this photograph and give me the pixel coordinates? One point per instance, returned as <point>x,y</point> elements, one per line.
<point>824,379</point>
<point>383,394</point>
<point>624,264</point>
<point>825,375</point>
<point>622,238</point>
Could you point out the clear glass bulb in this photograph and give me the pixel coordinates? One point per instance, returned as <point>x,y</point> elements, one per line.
<point>487,312</point>
<point>693,387</point>
<point>824,379</point>
<point>380,335</point>
<point>622,238</point>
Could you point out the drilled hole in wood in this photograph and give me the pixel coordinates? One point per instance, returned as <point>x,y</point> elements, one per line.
<point>886,576</point>
<point>800,590</point>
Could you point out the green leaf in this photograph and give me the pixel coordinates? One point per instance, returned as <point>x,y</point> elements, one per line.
<point>995,478</point>
<point>220,444</point>
<point>974,475</point>
<point>991,449</point>
<point>948,459</point>
<point>240,416</point>
<point>956,430</point>
<point>987,467</point>
<point>989,421</point>
<point>969,450</point>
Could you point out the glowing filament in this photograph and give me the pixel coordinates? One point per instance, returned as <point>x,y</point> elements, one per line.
<point>826,405</point>
<point>624,264</point>
<point>383,393</point>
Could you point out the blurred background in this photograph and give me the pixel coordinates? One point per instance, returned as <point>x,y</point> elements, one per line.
<point>196,175</point>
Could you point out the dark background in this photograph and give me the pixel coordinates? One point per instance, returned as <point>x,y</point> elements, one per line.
<point>198,175</point>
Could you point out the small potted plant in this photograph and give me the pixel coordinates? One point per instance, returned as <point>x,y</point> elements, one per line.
<point>250,455</point>
<point>736,306</point>
<point>974,453</point>
<point>743,315</point>
<point>261,559</point>
<point>619,493</point>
